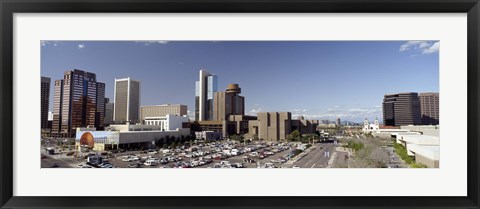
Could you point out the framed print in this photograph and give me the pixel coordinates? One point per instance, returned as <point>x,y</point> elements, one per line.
<point>264,104</point>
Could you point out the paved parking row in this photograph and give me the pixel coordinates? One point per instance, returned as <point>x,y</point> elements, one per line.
<point>211,155</point>
<point>208,152</point>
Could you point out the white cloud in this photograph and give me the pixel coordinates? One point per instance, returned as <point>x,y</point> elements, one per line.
<point>254,111</point>
<point>354,114</point>
<point>424,47</point>
<point>432,49</point>
<point>52,43</point>
<point>147,43</point>
<point>408,45</point>
<point>81,46</point>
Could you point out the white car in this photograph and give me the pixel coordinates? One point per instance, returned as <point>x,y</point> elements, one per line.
<point>225,163</point>
<point>151,162</point>
<point>269,165</point>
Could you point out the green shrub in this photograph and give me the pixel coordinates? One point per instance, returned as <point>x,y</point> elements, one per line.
<point>402,152</point>
<point>418,165</point>
<point>355,145</point>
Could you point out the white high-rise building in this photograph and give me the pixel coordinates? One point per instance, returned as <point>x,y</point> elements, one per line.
<point>126,101</point>
<point>204,90</point>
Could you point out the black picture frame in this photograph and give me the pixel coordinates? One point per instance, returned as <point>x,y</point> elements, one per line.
<point>10,7</point>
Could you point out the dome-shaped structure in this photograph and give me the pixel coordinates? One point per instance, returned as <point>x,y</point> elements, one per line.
<point>87,139</point>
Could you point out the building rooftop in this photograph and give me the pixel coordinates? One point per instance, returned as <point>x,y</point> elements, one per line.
<point>162,105</point>
<point>428,151</point>
<point>389,127</point>
<point>419,139</point>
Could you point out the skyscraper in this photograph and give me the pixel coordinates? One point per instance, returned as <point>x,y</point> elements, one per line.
<point>108,112</point>
<point>401,109</point>
<point>44,101</point>
<point>76,100</point>
<point>57,106</point>
<point>204,90</point>
<point>228,103</point>
<point>100,110</point>
<point>126,101</point>
<point>429,108</point>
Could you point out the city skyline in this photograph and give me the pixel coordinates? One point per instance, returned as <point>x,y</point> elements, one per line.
<point>329,79</point>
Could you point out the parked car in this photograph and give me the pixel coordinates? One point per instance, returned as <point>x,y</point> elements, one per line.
<point>133,165</point>
<point>238,165</point>
<point>151,162</point>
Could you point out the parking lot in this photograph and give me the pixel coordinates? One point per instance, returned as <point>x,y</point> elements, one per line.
<point>218,154</point>
<point>223,154</point>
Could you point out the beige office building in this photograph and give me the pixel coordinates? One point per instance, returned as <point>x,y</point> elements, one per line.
<point>162,110</point>
<point>228,103</point>
<point>305,126</point>
<point>275,126</point>
<point>126,106</point>
<point>429,108</point>
<point>271,126</point>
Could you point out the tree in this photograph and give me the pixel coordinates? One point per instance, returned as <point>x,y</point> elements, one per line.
<point>294,136</point>
<point>236,137</point>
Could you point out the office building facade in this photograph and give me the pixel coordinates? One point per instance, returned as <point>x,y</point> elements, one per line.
<point>429,108</point>
<point>401,109</point>
<point>205,88</point>
<point>305,126</point>
<point>228,103</point>
<point>44,101</point>
<point>100,109</point>
<point>271,126</point>
<point>168,122</point>
<point>241,123</point>
<point>76,102</point>
<point>126,101</point>
<point>162,110</point>
<point>108,112</point>
<point>226,128</point>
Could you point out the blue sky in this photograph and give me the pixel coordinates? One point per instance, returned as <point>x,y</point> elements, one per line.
<point>317,79</point>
